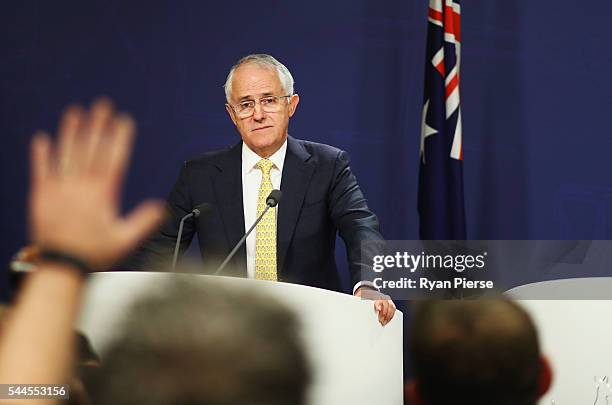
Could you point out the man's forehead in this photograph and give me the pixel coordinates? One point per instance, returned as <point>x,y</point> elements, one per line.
<point>254,81</point>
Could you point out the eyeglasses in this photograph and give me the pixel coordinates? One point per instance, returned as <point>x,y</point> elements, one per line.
<point>269,104</point>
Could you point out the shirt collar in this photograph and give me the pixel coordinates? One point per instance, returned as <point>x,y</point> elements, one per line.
<point>250,158</point>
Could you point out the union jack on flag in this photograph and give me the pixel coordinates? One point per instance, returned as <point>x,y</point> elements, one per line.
<point>441,203</point>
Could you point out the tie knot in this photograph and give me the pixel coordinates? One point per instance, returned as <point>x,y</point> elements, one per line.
<point>265,165</point>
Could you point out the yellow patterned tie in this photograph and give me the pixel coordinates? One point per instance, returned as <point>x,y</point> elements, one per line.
<point>265,239</point>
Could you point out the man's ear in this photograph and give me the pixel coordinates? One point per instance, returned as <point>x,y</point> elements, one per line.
<point>293,102</point>
<point>411,393</point>
<point>230,111</point>
<point>546,376</point>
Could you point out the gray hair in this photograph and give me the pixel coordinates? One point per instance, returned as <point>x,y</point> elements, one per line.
<point>266,61</point>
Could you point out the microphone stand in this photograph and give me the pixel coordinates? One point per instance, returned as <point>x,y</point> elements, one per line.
<point>241,241</point>
<point>195,213</point>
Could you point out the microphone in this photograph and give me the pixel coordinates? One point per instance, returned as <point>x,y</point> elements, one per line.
<point>274,198</point>
<point>200,209</point>
<point>272,201</point>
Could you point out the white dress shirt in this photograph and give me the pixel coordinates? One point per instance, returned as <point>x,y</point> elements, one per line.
<point>251,180</point>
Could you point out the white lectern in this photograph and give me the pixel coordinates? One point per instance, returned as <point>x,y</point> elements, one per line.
<point>355,359</point>
<point>573,321</point>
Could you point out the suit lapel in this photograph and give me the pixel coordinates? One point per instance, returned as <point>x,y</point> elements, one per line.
<point>228,190</point>
<point>297,171</point>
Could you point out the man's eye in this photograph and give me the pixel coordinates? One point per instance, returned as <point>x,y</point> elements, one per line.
<point>245,106</point>
<point>268,100</point>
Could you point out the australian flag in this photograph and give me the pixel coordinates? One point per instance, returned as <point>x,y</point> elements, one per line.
<point>441,204</point>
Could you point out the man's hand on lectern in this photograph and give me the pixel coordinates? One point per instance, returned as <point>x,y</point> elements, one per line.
<point>383,305</point>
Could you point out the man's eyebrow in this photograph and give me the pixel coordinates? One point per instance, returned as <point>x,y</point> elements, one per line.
<point>250,97</point>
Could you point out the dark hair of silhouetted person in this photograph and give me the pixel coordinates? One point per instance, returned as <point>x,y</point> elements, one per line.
<point>192,344</point>
<point>475,352</point>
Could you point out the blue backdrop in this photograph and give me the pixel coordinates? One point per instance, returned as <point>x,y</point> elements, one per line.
<point>536,98</point>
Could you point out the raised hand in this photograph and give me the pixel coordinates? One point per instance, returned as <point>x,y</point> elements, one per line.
<point>75,188</point>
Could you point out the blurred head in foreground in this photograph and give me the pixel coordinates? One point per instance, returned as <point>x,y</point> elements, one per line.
<point>476,352</point>
<point>204,345</point>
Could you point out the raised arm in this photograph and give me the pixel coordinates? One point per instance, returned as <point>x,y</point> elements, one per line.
<point>74,219</point>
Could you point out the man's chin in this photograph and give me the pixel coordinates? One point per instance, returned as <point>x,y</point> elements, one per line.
<point>264,138</point>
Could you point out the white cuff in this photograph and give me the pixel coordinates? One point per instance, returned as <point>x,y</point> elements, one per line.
<point>364,283</point>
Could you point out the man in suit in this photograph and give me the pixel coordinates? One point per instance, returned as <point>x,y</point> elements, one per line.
<point>295,241</point>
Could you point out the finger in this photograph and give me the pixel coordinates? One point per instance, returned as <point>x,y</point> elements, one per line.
<point>385,312</point>
<point>97,123</point>
<point>68,128</point>
<point>119,147</point>
<point>40,160</point>
<point>389,312</point>
<point>379,307</point>
<point>385,309</point>
<point>143,220</point>
<point>392,309</point>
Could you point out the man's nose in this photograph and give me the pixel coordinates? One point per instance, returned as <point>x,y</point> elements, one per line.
<point>258,114</point>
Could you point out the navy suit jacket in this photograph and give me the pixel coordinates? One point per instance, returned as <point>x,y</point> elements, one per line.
<point>321,197</point>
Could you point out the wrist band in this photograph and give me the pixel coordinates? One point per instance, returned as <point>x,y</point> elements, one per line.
<point>65,258</point>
